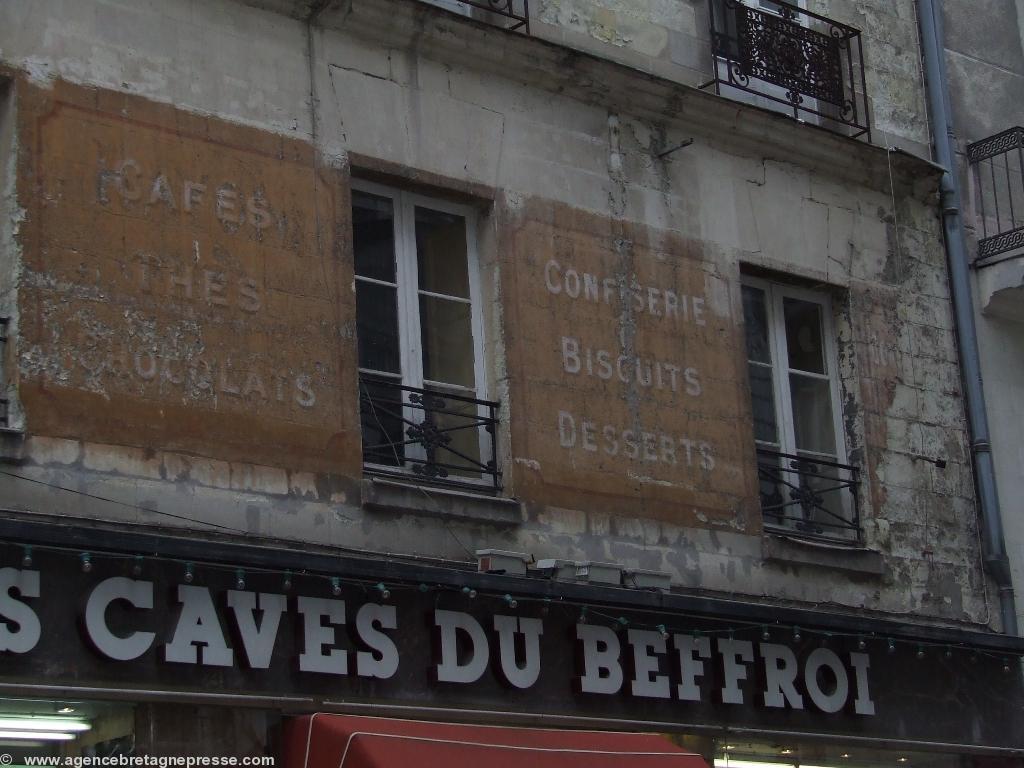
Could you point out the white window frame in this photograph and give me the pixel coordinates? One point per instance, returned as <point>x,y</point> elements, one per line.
<point>775,293</point>
<point>410,344</point>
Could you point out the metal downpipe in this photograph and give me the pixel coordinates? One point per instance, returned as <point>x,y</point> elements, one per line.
<point>996,561</point>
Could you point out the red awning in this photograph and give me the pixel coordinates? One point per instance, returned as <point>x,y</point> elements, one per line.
<point>344,741</point>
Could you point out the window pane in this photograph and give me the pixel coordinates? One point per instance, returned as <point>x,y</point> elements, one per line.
<point>773,488</point>
<point>380,413</point>
<point>377,327</point>
<point>830,510</point>
<point>373,236</point>
<point>447,335</point>
<point>812,415</point>
<point>763,402</point>
<point>755,320</point>
<point>803,335</point>
<point>458,421</point>
<point>441,253</point>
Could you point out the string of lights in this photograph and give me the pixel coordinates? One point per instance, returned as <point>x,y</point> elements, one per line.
<point>664,623</point>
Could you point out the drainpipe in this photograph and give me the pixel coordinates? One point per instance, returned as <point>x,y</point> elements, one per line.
<point>996,561</point>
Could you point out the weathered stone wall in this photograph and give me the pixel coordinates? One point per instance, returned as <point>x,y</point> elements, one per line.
<point>671,38</point>
<point>563,180</point>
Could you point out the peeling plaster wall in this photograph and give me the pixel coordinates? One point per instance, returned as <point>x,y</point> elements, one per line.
<point>571,179</point>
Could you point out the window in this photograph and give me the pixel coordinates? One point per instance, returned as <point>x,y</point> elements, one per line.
<point>420,339</point>
<point>733,54</point>
<point>805,484</point>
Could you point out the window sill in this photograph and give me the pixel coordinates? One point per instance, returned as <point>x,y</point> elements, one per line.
<point>793,550</point>
<point>394,496</point>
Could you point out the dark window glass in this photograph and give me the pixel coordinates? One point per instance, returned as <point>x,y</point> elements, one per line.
<point>377,327</point>
<point>441,253</point>
<point>373,236</point>
<point>755,321</point>
<point>447,338</point>
<point>803,335</point>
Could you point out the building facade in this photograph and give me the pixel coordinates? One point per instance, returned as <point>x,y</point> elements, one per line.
<point>593,363</point>
<point>988,145</point>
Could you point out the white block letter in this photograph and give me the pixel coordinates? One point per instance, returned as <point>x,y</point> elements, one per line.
<point>823,657</point>
<point>862,705</point>
<point>139,594</point>
<point>689,648</point>
<point>602,672</point>
<point>258,642</point>
<point>13,610</point>
<point>381,660</point>
<point>198,625</point>
<point>316,635</point>
<point>531,629</point>
<point>647,681</point>
<point>780,671</point>
<point>450,623</point>
<point>734,652</point>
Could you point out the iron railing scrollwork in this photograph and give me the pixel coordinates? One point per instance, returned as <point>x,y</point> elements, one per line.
<point>428,435</point>
<point>812,65</point>
<point>998,164</point>
<point>812,498</point>
<point>513,15</point>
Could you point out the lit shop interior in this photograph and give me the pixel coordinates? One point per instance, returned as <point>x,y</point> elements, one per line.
<point>32,728</point>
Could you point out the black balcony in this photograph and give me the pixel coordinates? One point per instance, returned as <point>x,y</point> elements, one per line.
<point>795,60</point>
<point>428,436</point>
<point>809,497</point>
<point>998,164</point>
<point>513,15</point>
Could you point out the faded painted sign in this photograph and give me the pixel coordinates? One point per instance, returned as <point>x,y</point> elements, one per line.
<point>174,265</point>
<point>624,355</point>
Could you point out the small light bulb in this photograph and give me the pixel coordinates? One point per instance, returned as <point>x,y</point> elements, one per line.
<point>26,559</point>
<point>920,652</point>
<point>663,631</point>
<point>861,644</point>
<point>583,615</point>
<point>469,592</point>
<point>335,586</point>
<point>287,583</point>
<point>891,647</point>
<point>797,637</point>
<point>1006,665</point>
<point>137,566</point>
<point>239,579</point>
<point>86,562</point>
<point>948,653</point>
<point>765,634</point>
<point>511,601</point>
<point>189,575</point>
<point>385,593</point>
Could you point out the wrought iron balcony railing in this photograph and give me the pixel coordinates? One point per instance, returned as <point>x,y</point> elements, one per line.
<point>998,164</point>
<point>428,435</point>
<point>513,15</point>
<point>809,497</point>
<point>792,58</point>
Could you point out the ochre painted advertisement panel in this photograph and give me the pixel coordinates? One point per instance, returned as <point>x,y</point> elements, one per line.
<point>626,368</point>
<point>184,283</point>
